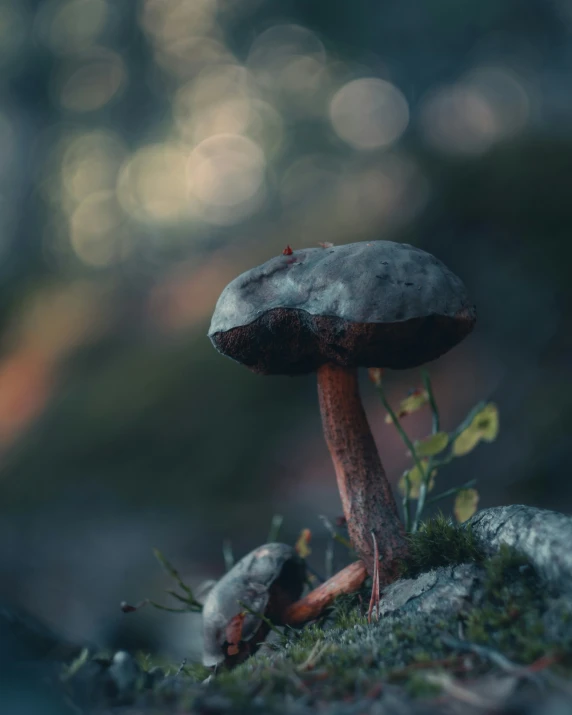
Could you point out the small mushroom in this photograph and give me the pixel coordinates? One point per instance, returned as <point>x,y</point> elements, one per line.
<point>268,580</point>
<point>330,311</point>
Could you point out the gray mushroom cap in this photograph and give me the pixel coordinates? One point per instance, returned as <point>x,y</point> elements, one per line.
<point>266,580</point>
<point>376,304</point>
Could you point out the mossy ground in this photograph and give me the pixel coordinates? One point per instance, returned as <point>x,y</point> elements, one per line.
<point>345,659</point>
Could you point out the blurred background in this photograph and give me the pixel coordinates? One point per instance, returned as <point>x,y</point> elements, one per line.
<point>152,150</point>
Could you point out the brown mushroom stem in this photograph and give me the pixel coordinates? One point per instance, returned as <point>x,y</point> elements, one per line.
<point>348,580</point>
<point>367,499</point>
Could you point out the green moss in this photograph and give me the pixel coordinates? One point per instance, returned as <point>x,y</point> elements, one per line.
<point>513,617</point>
<point>349,658</point>
<point>196,672</point>
<point>337,663</point>
<point>440,542</point>
<point>347,611</point>
<point>345,658</point>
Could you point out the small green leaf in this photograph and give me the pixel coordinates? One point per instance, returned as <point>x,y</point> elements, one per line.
<point>466,503</point>
<point>375,375</point>
<point>430,446</point>
<point>413,402</point>
<point>415,479</point>
<point>75,665</point>
<point>483,427</point>
<point>171,570</point>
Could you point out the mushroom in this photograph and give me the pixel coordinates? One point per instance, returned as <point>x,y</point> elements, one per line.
<point>332,310</point>
<point>268,581</point>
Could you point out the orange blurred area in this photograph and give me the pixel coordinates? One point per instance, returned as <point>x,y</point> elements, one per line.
<point>27,382</point>
<point>187,296</point>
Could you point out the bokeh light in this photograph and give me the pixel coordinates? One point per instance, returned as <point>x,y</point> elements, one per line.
<point>184,35</point>
<point>152,184</point>
<point>71,26</point>
<point>469,117</point>
<point>91,162</point>
<point>386,195</point>
<point>99,232</point>
<point>90,83</point>
<point>226,177</point>
<point>369,113</point>
<point>218,101</point>
<point>289,63</point>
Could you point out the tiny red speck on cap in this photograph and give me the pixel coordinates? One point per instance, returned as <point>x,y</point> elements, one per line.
<point>287,251</point>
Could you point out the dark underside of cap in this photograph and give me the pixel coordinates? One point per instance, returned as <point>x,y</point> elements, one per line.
<point>286,341</point>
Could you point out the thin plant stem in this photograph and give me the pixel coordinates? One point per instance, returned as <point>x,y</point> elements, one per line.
<point>172,571</point>
<point>406,503</point>
<point>262,618</point>
<point>409,444</point>
<point>190,601</point>
<point>227,554</point>
<point>451,492</point>
<point>329,559</point>
<point>402,433</point>
<point>434,463</point>
<point>334,534</point>
<point>426,476</point>
<point>466,422</point>
<point>438,463</point>
<point>432,403</point>
<point>167,608</point>
<point>423,489</point>
<point>275,525</point>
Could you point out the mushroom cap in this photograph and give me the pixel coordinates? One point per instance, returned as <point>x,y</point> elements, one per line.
<point>267,580</point>
<point>376,304</point>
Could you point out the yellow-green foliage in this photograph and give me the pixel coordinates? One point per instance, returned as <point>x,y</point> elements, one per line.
<point>436,450</point>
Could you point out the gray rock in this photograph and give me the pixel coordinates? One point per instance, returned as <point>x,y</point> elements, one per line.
<point>443,591</point>
<point>544,537</point>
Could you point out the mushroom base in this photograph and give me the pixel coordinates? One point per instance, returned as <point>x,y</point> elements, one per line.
<point>368,502</point>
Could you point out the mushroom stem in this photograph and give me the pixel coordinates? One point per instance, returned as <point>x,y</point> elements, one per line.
<point>348,580</point>
<point>368,502</point>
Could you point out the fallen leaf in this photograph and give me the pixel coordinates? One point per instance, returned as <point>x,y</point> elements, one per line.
<point>432,445</point>
<point>415,479</point>
<point>302,545</point>
<point>484,427</point>
<point>375,374</point>
<point>234,632</point>
<point>466,503</point>
<point>287,251</point>
<point>413,402</point>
